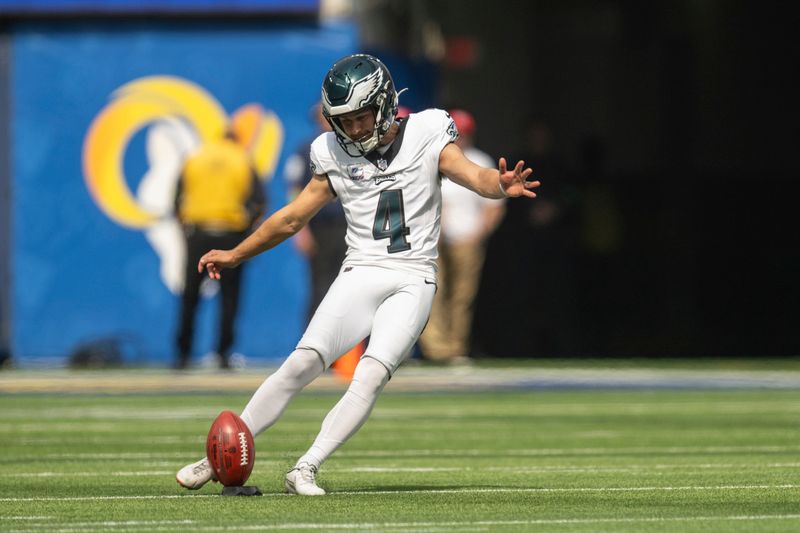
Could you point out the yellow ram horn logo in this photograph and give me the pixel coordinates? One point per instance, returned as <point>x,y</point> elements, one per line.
<point>144,101</point>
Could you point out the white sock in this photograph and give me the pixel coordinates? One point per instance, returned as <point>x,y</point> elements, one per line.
<point>350,413</point>
<point>270,400</point>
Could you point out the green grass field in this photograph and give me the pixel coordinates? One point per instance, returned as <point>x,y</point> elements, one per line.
<point>541,460</point>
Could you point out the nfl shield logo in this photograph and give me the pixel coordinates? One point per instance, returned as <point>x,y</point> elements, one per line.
<point>382,164</point>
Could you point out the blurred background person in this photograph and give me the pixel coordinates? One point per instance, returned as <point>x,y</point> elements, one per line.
<point>403,112</point>
<point>552,318</point>
<point>322,240</point>
<point>467,222</point>
<point>541,246</point>
<point>218,199</point>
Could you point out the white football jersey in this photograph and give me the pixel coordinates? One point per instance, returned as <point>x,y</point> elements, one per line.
<point>392,200</point>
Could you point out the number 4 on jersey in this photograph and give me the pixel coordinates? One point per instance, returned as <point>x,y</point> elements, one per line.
<point>390,221</point>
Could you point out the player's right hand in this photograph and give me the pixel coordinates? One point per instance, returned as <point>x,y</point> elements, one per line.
<point>515,182</point>
<point>215,260</point>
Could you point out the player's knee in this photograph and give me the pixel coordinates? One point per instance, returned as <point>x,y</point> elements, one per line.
<point>301,367</point>
<point>370,376</point>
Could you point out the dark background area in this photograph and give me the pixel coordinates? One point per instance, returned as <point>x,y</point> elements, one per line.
<point>666,223</point>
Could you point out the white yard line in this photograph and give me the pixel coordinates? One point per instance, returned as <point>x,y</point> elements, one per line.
<point>433,469</point>
<point>669,450</point>
<point>573,489</point>
<point>415,491</point>
<point>561,468</point>
<point>472,452</point>
<point>114,498</point>
<point>142,473</point>
<point>111,455</point>
<point>148,525</point>
<point>125,413</point>
<point>156,525</point>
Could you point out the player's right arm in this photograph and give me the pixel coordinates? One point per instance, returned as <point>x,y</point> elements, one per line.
<point>280,226</point>
<point>487,182</point>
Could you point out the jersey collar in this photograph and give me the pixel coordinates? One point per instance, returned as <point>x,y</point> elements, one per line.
<point>383,160</point>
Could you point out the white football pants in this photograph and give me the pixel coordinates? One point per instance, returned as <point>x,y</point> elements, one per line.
<point>391,307</point>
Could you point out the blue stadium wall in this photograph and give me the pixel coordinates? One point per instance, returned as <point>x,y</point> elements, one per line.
<point>76,275</point>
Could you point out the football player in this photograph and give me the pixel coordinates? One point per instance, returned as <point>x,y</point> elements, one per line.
<point>387,175</point>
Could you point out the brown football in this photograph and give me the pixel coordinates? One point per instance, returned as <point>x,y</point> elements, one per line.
<point>230,449</point>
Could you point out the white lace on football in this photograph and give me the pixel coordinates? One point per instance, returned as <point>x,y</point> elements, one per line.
<point>243,448</point>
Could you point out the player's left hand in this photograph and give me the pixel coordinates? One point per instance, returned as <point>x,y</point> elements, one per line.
<point>515,181</point>
<point>215,260</point>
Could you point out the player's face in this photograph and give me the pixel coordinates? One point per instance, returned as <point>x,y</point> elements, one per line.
<point>358,125</point>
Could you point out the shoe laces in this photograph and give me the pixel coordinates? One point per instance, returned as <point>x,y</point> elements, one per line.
<point>308,473</point>
<point>201,469</point>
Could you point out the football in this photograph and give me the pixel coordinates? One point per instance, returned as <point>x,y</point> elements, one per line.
<point>230,449</point>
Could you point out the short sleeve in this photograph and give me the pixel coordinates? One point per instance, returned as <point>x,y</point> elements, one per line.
<point>443,128</point>
<point>319,158</point>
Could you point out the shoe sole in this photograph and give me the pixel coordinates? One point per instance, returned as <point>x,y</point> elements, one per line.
<point>198,487</point>
<point>186,486</point>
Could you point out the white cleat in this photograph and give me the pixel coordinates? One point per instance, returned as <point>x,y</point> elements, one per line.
<point>195,475</point>
<point>301,480</point>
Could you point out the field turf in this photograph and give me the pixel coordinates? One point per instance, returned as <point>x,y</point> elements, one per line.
<point>537,460</point>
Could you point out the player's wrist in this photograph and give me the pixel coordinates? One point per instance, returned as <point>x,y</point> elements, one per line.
<point>237,257</point>
<point>502,189</point>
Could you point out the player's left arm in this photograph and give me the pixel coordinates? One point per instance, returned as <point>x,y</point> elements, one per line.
<point>284,223</point>
<point>498,182</point>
